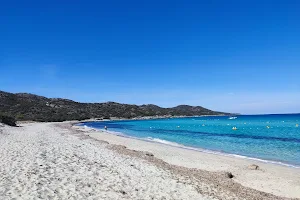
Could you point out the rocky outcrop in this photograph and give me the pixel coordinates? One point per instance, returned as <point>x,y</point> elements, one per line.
<point>8,120</point>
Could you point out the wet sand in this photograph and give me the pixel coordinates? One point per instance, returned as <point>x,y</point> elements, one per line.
<point>270,178</point>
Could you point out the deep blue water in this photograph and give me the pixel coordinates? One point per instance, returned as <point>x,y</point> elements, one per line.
<point>267,137</point>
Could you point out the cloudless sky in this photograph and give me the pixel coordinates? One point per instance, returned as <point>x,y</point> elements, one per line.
<point>234,56</point>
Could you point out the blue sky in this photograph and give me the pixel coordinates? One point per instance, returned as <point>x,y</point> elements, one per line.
<point>235,56</point>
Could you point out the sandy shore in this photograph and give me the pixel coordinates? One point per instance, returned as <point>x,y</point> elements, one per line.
<point>58,161</point>
<point>271,178</point>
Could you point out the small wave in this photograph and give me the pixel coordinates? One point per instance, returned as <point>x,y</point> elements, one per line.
<point>265,161</point>
<point>217,152</point>
<point>174,144</point>
<point>114,133</point>
<point>164,142</point>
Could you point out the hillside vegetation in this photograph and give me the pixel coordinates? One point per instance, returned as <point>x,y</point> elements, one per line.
<point>24,106</point>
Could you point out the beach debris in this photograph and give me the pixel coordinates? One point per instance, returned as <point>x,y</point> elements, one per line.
<point>253,167</point>
<point>234,128</point>
<point>123,192</point>
<point>149,154</point>
<point>228,175</point>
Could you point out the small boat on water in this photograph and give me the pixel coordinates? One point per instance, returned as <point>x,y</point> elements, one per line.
<point>232,117</point>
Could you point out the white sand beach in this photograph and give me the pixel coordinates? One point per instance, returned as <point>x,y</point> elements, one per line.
<point>271,178</point>
<point>61,161</point>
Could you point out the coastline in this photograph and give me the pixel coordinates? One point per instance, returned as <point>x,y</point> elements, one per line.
<point>60,160</point>
<point>176,145</point>
<point>173,144</point>
<point>151,117</point>
<point>272,177</point>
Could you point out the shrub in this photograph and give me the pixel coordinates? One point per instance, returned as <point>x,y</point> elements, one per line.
<point>8,120</point>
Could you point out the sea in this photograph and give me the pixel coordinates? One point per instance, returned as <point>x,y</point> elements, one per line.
<point>267,138</point>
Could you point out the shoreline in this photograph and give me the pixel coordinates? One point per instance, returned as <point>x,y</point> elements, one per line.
<point>60,160</point>
<point>152,117</point>
<point>269,178</point>
<point>208,151</point>
<point>197,149</point>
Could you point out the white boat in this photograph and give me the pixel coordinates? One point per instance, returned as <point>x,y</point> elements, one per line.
<point>232,117</point>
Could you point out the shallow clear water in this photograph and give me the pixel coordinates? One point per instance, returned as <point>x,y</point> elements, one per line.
<point>268,137</point>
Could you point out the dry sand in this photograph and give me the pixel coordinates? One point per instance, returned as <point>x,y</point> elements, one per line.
<point>271,178</point>
<point>58,161</point>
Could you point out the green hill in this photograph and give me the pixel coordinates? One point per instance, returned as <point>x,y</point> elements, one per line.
<point>24,106</point>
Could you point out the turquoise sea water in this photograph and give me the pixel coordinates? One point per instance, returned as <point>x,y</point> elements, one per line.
<point>268,137</point>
